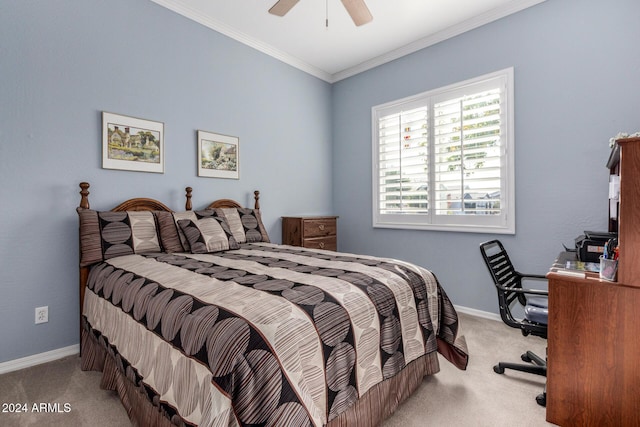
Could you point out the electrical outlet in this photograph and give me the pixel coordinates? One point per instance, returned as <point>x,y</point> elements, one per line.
<point>42,314</point>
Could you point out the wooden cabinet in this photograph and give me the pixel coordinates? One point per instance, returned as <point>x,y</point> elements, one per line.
<point>629,219</point>
<point>593,355</point>
<point>318,232</point>
<point>614,181</point>
<point>593,373</point>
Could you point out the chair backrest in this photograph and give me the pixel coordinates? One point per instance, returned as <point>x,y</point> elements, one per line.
<point>505,277</point>
<point>508,283</point>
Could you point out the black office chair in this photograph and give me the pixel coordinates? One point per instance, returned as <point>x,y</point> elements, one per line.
<point>508,283</point>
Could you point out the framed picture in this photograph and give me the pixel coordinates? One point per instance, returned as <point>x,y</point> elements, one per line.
<point>132,144</point>
<point>218,155</point>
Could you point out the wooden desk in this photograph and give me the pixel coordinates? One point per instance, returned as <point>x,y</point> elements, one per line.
<point>593,358</point>
<point>593,354</point>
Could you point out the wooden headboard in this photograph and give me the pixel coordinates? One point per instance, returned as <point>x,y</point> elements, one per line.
<point>136,204</point>
<point>146,204</point>
<point>228,203</point>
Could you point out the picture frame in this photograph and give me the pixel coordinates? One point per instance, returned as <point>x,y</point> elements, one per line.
<point>218,155</point>
<point>132,144</point>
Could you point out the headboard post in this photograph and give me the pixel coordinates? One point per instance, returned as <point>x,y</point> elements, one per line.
<point>84,271</point>
<point>187,205</point>
<point>256,196</point>
<point>84,193</point>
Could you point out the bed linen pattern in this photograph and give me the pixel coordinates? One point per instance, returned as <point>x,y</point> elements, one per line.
<point>266,334</point>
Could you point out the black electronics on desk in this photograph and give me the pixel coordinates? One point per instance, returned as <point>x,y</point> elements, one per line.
<point>590,245</point>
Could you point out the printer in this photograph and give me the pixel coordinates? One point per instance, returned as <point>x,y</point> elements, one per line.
<point>590,245</point>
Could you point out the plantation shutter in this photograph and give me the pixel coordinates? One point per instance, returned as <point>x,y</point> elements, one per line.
<point>467,163</point>
<point>403,162</point>
<point>443,159</point>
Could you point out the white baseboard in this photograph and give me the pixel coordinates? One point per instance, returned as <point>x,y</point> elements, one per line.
<point>37,359</point>
<point>478,313</point>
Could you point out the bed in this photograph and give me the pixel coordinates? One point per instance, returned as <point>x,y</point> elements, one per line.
<point>196,318</point>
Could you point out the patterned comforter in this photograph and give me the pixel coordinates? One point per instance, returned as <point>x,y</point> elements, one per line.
<point>267,334</point>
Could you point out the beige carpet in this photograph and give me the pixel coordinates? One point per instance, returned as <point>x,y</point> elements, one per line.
<point>478,396</point>
<point>475,397</point>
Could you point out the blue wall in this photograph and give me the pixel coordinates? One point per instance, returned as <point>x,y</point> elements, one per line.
<point>577,83</point>
<point>304,143</point>
<point>64,62</point>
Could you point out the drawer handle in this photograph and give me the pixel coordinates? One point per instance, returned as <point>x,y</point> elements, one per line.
<point>321,245</point>
<point>321,227</point>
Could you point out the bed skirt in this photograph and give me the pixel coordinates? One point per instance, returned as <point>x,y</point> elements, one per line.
<point>144,410</point>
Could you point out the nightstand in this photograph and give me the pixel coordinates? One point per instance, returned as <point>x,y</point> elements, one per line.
<point>317,232</point>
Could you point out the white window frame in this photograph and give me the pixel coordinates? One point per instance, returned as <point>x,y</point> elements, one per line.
<point>503,223</point>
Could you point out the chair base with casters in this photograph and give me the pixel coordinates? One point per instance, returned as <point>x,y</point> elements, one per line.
<point>537,366</point>
<point>508,283</point>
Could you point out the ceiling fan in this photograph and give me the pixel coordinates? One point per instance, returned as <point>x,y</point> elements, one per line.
<point>357,9</point>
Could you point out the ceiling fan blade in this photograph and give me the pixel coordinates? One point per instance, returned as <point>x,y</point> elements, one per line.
<point>358,11</point>
<point>282,7</point>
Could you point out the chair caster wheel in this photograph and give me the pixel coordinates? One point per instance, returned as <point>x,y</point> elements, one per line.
<point>525,358</point>
<point>541,399</point>
<point>498,370</point>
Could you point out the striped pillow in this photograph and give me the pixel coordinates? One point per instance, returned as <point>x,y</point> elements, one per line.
<point>177,216</point>
<point>234,222</point>
<point>105,235</point>
<point>252,223</point>
<point>208,234</point>
<point>169,232</point>
<point>245,224</point>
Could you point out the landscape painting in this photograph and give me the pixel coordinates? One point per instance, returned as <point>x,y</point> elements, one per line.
<point>218,155</point>
<point>129,143</point>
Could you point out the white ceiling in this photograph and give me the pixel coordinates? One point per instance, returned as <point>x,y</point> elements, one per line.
<point>332,53</point>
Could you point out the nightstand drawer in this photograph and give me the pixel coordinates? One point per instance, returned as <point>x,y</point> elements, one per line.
<point>328,243</point>
<point>319,227</point>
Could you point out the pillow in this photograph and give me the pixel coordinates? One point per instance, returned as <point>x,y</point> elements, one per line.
<point>204,213</point>
<point>105,235</point>
<point>177,216</point>
<point>172,237</point>
<point>232,217</point>
<point>208,234</point>
<point>169,232</point>
<point>252,223</point>
<point>245,224</point>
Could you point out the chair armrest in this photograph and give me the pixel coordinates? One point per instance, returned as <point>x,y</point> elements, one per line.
<point>524,291</point>
<point>532,276</point>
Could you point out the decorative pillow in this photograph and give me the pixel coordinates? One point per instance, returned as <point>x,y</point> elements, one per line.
<point>209,234</point>
<point>177,216</point>
<point>172,237</point>
<point>105,235</point>
<point>252,223</point>
<point>169,232</point>
<point>204,213</point>
<point>235,223</point>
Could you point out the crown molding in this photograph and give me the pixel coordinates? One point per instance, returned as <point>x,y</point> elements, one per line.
<point>463,27</point>
<point>468,25</point>
<point>243,38</point>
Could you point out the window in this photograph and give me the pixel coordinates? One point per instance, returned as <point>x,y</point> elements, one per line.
<point>443,159</point>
